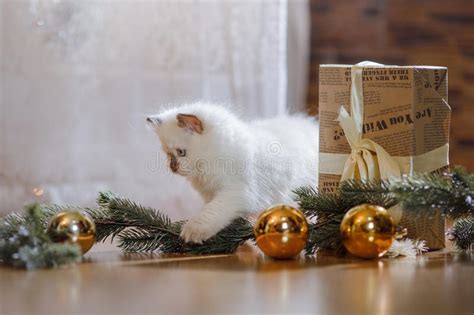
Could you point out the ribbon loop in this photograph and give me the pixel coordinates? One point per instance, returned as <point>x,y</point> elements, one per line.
<point>367,160</point>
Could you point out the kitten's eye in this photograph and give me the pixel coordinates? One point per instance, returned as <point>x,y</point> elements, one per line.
<point>181,152</point>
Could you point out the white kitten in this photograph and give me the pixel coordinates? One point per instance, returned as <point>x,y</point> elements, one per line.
<point>236,166</point>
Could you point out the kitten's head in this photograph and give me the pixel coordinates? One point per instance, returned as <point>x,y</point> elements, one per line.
<point>177,133</point>
<point>188,134</point>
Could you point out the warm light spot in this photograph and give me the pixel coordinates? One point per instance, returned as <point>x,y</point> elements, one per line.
<point>284,225</point>
<point>284,239</point>
<point>370,225</point>
<point>371,238</point>
<point>38,191</point>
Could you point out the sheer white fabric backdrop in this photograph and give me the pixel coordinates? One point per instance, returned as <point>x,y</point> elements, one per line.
<point>78,77</point>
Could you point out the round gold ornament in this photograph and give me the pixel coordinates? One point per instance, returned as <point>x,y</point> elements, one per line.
<point>368,231</point>
<point>72,227</point>
<point>281,231</point>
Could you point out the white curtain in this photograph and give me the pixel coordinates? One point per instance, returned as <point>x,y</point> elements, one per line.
<point>78,77</point>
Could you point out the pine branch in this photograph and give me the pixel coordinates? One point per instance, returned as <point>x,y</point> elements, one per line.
<point>10,223</point>
<point>104,198</point>
<point>226,241</point>
<point>325,236</point>
<point>115,214</point>
<point>146,229</point>
<point>121,213</point>
<point>452,194</point>
<point>107,225</point>
<point>462,233</point>
<point>314,203</point>
<point>372,192</point>
<point>122,209</point>
<point>140,240</point>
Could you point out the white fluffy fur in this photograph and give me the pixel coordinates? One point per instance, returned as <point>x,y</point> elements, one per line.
<point>238,166</point>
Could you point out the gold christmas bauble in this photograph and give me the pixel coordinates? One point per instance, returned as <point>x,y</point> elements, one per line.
<point>72,227</point>
<point>281,231</point>
<point>368,231</point>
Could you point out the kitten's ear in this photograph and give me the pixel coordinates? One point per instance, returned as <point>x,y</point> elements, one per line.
<point>190,122</point>
<point>154,120</point>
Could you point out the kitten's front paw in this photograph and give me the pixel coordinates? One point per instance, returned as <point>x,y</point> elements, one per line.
<point>195,231</point>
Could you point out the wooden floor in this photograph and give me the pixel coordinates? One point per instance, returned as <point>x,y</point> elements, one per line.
<point>111,283</point>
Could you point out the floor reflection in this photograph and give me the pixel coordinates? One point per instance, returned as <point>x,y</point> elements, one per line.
<point>250,258</point>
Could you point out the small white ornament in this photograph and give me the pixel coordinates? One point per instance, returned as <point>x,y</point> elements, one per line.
<point>407,248</point>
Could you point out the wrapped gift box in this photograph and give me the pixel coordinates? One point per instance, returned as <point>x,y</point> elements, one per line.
<point>394,110</point>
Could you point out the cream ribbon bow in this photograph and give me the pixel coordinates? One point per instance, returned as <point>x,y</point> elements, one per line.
<point>367,160</point>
